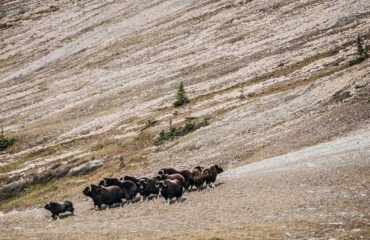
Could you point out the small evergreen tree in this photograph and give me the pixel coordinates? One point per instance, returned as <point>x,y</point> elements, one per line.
<point>242,97</point>
<point>181,98</point>
<point>361,52</point>
<point>360,49</point>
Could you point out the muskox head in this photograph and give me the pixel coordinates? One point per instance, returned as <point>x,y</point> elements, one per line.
<point>161,185</point>
<point>48,206</point>
<point>87,191</point>
<point>198,168</point>
<point>160,172</point>
<point>219,168</point>
<point>142,183</point>
<point>103,183</point>
<point>159,177</point>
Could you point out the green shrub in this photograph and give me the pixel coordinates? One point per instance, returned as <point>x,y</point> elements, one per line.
<point>4,141</point>
<point>181,98</point>
<point>190,125</point>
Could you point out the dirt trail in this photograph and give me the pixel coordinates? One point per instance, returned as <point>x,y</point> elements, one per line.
<point>320,192</point>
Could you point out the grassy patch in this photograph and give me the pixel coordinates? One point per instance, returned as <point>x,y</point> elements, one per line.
<point>5,142</point>
<point>190,125</point>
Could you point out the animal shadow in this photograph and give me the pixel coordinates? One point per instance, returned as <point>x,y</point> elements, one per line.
<point>175,201</point>
<point>63,216</point>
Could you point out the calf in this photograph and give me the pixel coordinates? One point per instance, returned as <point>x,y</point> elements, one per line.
<point>57,208</point>
<point>147,186</point>
<point>210,174</point>
<point>170,189</point>
<point>129,188</point>
<point>104,195</point>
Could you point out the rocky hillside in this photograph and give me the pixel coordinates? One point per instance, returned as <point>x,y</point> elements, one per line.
<point>87,86</point>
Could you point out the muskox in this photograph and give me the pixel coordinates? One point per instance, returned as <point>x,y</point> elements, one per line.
<point>58,208</point>
<point>129,188</point>
<point>170,189</point>
<point>167,171</point>
<point>104,195</point>
<point>176,176</point>
<point>134,179</point>
<point>147,186</point>
<point>198,178</point>
<point>210,174</point>
<point>188,176</point>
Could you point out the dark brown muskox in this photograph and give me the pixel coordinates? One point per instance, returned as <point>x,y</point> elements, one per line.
<point>170,189</point>
<point>188,176</point>
<point>147,187</point>
<point>104,195</point>
<point>176,176</point>
<point>210,174</point>
<point>58,208</point>
<point>129,188</point>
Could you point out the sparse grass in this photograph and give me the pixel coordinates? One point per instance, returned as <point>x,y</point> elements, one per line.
<point>149,123</point>
<point>190,125</point>
<point>251,94</point>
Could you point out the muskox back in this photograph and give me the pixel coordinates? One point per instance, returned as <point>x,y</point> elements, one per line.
<point>176,176</point>
<point>168,171</point>
<point>129,188</point>
<point>134,179</point>
<point>104,195</point>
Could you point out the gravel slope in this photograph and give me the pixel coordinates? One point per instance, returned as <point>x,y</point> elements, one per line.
<point>319,192</point>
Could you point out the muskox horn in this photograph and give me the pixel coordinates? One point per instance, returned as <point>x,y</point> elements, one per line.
<point>90,188</point>
<point>164,184</point>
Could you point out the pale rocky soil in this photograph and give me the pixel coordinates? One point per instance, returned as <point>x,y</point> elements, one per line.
<point>78,79</point>
<point>320,192</point>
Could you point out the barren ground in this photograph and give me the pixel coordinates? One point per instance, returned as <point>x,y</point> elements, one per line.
<point>79,80</point>
<point>319,192</point>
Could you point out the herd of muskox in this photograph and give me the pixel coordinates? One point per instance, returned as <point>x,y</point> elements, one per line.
<point>169,182</point>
